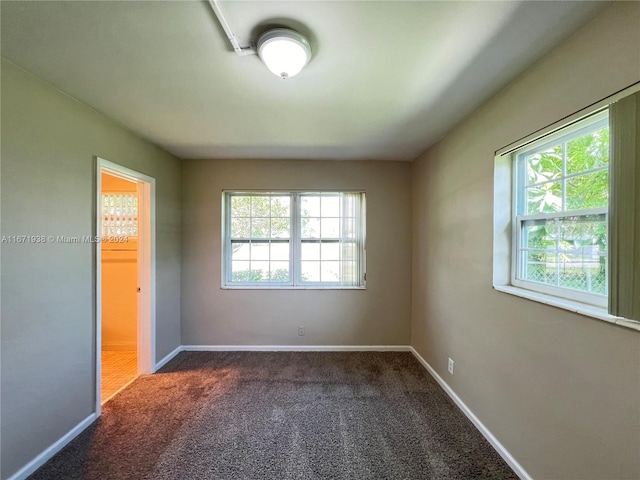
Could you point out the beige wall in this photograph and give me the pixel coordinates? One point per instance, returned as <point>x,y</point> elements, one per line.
<point>48,321</point>
<point>119,298</point>
<point>559,390</point>
<point>380,315</point>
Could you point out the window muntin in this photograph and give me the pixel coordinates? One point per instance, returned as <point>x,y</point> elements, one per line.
<point>561,209</point>
<point>295,239</point>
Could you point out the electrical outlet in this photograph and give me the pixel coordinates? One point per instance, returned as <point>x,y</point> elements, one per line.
<point>301,330</point>
<point>450,368</point>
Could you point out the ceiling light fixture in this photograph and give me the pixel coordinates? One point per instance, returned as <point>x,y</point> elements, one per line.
<point>285,52</point>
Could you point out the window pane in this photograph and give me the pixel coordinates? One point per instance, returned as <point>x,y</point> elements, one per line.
<point>330,251</point>
<point>260,206</point>
<point>280,206</point>
<point>577,230</point>
<point>310,271</point>
<point>545,198</point>
<point>279,272</point>
<point>539,237</point>
<point>310,228</point>
<point>310,206</point>
<point>240,227</point>
<point>588,191</point>
<point>330,206</point>
<point>576,245</point>
<point>584,273</point>
<point>544,166</point>
<point>540,267</point>
<point>588,151</point>
<point>310,251</point>
<point>260,228</point>
<point>330,228</point>
<point>583,231</point>
<point>240,251</point>
<point>280,251</point>
<point>330,271</point>
<point>280,228</point>
<point>259,251</point>
<point>259,271</point>
<point>240,206</point>
<point>240,271</point>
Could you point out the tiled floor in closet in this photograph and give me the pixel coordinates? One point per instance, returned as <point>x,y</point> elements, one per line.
<point>118,369</point>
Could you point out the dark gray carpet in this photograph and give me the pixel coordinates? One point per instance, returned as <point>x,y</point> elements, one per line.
<point>286,415</point>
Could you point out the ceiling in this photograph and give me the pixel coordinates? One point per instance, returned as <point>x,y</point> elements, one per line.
<point>387,78</point>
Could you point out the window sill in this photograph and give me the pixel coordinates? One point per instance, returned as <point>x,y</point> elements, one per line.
<point>576,307</point>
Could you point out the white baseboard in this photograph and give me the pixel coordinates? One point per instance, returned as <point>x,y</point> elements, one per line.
<point>495,443</point>
<point>41,459</point>
<point>281,348</point>
<point>168,358</point>
<point>296,348</point>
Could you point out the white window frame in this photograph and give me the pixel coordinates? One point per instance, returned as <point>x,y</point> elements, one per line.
<point>564,134</point>
<point>295,242</point>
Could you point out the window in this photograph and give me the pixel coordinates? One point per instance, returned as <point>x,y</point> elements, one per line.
<point>294,239</point>
<point>561,212</point>
<point>565,212</point>
<point>120,214</point>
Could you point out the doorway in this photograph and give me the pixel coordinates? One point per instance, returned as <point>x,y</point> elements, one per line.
<point>125,278</point>
<point>119,248</point>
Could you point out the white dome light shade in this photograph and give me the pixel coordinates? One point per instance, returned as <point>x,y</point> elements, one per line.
<point>284,52</point>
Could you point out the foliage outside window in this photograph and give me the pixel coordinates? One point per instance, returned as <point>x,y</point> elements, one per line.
<point>561,209</point>
<point>294,239</point>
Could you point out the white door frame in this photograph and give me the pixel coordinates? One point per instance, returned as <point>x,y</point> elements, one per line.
<point>146,268</point>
